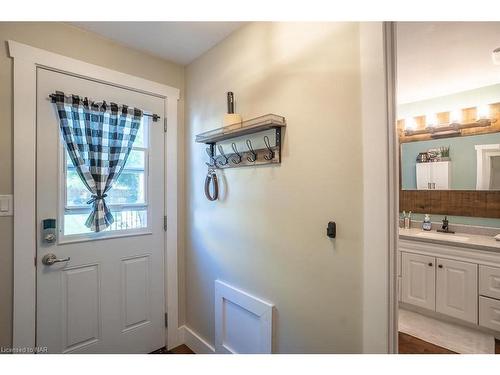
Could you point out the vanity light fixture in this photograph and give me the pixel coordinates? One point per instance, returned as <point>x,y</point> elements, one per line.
<point>455,123</point>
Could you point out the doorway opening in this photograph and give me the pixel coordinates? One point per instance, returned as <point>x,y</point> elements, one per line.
<point>447,115</point>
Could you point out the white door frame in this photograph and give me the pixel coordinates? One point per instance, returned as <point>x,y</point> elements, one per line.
<point>26,60</point>
<point>390,49</point>
<point>380,187</point>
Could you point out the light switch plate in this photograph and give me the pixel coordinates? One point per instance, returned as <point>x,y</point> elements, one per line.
<point>6,205</point>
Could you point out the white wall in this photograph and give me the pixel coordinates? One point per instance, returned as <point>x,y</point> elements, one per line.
<point>268,235</point>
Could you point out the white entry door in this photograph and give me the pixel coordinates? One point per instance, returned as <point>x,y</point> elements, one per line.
<point>108,296</point>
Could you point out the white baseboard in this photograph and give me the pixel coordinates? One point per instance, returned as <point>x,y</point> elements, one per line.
<point>194,341</point>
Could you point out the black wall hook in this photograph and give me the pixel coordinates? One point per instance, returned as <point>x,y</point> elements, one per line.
<point>270,156</point>
<point>253,155</point>
<point>223,156</point>
<point>237,159</point>
<point>209,151</point>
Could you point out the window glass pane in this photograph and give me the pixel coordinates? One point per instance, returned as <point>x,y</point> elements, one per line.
<point>74,223</point>
<point>128,189</point>
<point>135,160</point>
<point>140,139</point>
<point>76,193</point>
<point>69,163</point>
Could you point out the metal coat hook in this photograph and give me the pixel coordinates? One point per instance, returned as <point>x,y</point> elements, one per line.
<point>223,156</point>
<point>253,156</point>
<point>268,146</point>
<point>237,159</point>
<point>212,163</point>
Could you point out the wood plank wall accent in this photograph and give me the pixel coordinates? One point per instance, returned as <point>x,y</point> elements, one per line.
<point>451,202</point>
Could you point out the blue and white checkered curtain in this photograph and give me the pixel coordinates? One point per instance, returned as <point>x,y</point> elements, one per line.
<point>98,138</point>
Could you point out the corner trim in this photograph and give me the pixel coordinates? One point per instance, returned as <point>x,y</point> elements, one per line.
<point>194,341</point>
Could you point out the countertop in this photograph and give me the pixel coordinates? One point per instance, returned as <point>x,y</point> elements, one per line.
<point>471,241</point>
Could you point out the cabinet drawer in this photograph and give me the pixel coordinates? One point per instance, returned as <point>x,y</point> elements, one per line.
<point>489,281</point>
<point>489,313</point>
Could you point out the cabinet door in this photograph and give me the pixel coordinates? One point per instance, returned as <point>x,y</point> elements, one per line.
<point>489,281</point>
<point>423,175</point>
<point>419,280</point>
<point>489,313</point>
<point>440,175</point>
<point>456,289</point>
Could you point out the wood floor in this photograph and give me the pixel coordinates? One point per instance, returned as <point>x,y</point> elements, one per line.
<point>182,349</point>
<point>407,345</point>
<point>411,345</point>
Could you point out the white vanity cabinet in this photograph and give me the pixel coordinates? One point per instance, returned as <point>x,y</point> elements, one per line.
<point>455,281</point>
<point>442,285</point>
<point>433,175</point>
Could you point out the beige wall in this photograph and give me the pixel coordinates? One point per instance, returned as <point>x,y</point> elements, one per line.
<point>69,41</point>
<point>267,236</point>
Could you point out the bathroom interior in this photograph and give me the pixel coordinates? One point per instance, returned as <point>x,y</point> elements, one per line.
<point>448,126</point>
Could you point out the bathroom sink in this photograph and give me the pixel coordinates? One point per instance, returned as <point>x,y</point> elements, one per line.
<point>443,236</point>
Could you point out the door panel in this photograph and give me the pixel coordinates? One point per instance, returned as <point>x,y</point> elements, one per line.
<point>81,315</point>
<point>423,171</point>
<point>440,175</point>
<point>418,280</point>
<point>109,297</point>
<point>136,290</point>
<point>456,289</point>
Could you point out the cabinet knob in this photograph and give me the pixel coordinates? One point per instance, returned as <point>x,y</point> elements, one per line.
<point>430,264</point>
<point>440,266</point>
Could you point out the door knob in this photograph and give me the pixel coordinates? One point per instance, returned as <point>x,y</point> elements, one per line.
<point>50,259</point>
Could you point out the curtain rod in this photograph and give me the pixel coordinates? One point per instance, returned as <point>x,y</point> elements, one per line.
<point>153,115</point>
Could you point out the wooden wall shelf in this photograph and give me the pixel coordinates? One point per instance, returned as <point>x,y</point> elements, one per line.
<point>246,127</point>
<point>271,154</point>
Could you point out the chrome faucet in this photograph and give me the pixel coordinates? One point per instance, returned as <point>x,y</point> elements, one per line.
<point>444,226</point>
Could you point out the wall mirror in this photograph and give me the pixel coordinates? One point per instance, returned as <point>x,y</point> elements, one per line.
<point>448,117</point>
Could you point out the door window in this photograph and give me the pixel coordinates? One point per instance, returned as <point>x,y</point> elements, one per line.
<point>127,199</point>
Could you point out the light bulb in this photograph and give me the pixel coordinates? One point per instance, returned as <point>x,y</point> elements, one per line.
<point>431,120</point>
<point>410,123</point>
<point>483,112</point>
<point>455,116</point>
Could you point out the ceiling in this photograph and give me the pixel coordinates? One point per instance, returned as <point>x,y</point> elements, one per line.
<point>180,42</point>
<point>440,58</point>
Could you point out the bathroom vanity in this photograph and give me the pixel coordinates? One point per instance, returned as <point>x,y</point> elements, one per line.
<point>455,275</point>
